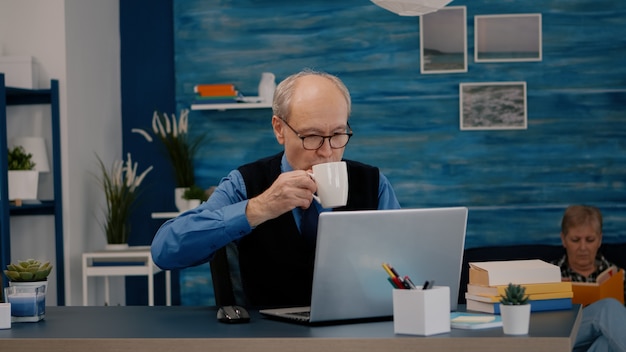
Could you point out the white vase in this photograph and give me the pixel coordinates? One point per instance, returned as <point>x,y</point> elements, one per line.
<point>267,85</point>
<point>193,203</point>
<point>180,201</point>
<point>23,184</point>
<point>515,319</point>
<point>116,246</point>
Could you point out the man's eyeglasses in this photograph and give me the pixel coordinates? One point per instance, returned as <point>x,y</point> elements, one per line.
<point>314,142</point>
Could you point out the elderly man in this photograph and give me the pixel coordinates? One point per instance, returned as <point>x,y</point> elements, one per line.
<point>260,206</point>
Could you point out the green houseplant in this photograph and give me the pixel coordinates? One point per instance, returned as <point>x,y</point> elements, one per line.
<point>194,196</point>
<point>514,295</point>
<point>120,184</point>
<point>515,310</point>
<point>195,192</point>
<point>19,159</point>
<point>23,180</point>
<point>180,149</point>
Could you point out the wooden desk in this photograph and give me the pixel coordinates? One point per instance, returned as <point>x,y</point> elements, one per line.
<point>189,329</point>
<point>134,261</point>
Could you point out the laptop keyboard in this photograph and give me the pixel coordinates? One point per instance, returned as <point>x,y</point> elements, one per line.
<point>302,314</point>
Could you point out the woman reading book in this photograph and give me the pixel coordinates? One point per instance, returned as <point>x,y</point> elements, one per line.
<point>601,328</point>
<point>581,235</point>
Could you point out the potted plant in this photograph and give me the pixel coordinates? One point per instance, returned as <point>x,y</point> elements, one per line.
<point>194,196</point>
<point>120,185</point>
<point>180,148</point>
<point>515,310</point>
<point>28,283</point>
<point>23,179</point>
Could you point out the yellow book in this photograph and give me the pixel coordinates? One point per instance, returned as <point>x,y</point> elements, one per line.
<point>562,286</point>
<point>609,284</point>
<point>532,297</point>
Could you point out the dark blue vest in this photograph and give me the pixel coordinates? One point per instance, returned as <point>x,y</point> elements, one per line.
<point>275,261</point>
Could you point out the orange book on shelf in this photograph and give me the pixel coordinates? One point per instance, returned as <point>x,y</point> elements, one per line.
<point>609,284</point>
<point>218,89</point>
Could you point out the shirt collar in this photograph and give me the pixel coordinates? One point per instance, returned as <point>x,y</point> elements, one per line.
<point>284,165</point>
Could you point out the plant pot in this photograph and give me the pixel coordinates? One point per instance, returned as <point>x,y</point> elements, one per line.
<point>116,246</point>
<point>180,201</point>
<point>23,184</point>
<point>515,319</point>
<point>28,300</point>
<point>183,204</point>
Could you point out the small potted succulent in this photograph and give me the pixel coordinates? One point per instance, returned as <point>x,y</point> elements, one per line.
<point>23,179</point>
<point>515,310</point>
<point>28,283</point>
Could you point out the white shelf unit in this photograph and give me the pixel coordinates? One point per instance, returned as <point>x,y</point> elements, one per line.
<point>134,261</point>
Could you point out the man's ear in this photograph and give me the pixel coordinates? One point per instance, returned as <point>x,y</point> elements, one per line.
<point>279,130</point>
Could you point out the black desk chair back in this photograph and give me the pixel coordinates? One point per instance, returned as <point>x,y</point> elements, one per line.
<point>226,278</point>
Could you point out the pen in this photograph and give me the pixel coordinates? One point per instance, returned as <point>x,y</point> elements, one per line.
<point>399,282</point>
<point>409,282</point>
<point>431,283</point>
<point>404,283</point>
<point>425,285</point>
<point>395,273</point>
<point>392,282</point>
<point>388,270</point>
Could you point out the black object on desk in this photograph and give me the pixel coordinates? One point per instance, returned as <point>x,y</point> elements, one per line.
<point>233,315</point>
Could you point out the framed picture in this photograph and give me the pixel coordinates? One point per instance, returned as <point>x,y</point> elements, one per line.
<point>493,106</point>
<point>507,38</point>
<point>443,41</point>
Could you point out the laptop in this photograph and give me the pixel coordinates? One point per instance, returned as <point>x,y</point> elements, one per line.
<point>349,282</point>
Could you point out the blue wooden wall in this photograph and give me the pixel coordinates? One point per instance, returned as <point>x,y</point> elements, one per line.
<point>516,183</point>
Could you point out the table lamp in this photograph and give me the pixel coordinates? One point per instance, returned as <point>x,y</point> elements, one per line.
<point>412,7</point>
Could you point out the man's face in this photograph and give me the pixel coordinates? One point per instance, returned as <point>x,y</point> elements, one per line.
<point>581,244</point>
<point>317,108</point>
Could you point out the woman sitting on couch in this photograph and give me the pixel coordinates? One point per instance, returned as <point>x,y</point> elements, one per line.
<point>602,324</point>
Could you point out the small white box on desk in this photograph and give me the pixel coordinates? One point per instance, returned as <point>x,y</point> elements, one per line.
<point>19,72</point>
<point>421,312</point>
<point>5,315</point>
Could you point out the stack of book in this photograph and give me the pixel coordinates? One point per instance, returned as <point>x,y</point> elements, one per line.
<point>218,93</point>
<point>542,280</point>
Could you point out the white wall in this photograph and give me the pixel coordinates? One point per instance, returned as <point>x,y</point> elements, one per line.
<point>76,42</point>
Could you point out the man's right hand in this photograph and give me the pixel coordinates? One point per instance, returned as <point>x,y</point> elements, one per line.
<point>290,190</point>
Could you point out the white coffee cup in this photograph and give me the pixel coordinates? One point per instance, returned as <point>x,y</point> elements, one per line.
<point>332,184</point>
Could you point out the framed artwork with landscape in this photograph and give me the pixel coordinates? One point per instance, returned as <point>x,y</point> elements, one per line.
<point>493,106</point>
<point>507,38</point>
<point>443,41</point>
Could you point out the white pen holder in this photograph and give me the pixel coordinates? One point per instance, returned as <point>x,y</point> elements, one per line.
<point>421,312</point>
<point>5,315</point>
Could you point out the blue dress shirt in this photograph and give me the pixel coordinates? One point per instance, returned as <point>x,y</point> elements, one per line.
<point>192,237</point>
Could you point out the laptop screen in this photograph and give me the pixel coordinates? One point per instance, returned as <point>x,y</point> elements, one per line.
<point>349,281</point>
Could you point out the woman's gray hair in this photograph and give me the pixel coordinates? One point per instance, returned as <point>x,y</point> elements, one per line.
<point>580,214</point>
<point>281,106</point>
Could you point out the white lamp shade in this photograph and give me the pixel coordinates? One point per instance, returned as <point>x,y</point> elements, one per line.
<point>35,146</point>
<point>412,7</point>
